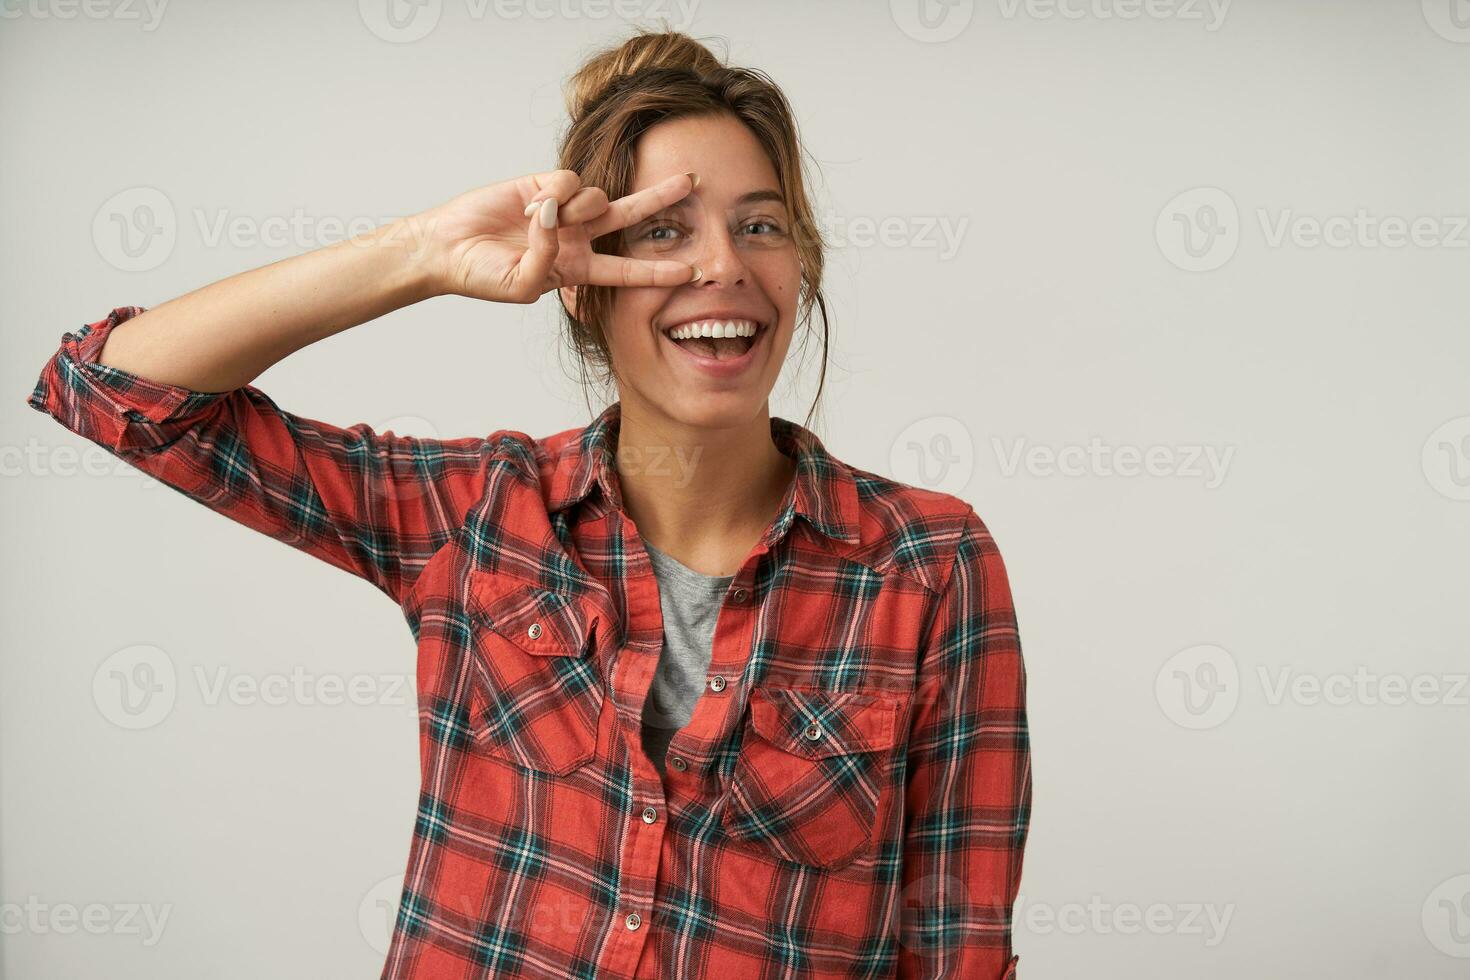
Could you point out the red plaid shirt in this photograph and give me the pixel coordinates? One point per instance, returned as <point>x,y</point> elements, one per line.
<point>851,797</point>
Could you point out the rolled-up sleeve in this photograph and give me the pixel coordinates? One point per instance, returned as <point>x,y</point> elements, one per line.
<point>968,793</point>
<point>376,504</point>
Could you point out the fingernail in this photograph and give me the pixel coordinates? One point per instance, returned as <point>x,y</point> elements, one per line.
<point>698,274</point>
<point>693,179</point>
<point>548,213</point>
<point>531,208</point>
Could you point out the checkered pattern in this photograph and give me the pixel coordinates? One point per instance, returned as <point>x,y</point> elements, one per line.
<point>851,801</point>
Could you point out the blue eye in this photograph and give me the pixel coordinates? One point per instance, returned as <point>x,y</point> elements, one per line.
<point>651,233</point>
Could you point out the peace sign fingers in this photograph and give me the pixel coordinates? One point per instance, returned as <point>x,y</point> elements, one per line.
<point>633,208</point>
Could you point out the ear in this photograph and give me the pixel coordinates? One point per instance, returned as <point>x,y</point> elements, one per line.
<point>569,299</point>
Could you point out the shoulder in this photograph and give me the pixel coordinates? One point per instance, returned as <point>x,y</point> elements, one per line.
<point>916,531</point>
<point>541,455</point>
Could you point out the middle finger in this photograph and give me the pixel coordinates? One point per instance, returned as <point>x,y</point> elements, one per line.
<point>634,207</point>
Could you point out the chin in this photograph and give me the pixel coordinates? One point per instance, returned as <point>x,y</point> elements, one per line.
<point>716,409</point>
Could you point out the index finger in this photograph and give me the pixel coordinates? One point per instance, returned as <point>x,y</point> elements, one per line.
<point>613,270</point>
<point>633,208</point>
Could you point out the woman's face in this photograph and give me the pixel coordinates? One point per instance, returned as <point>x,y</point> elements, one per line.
<point>734,226</point>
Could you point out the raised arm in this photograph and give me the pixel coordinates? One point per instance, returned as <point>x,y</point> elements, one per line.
<point>168,388</point>
<point>968,799</point>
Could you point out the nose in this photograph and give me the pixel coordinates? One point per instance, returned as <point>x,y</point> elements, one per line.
<point>720,260</point>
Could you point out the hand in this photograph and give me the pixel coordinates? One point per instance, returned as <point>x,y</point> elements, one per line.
<point>482,244</point>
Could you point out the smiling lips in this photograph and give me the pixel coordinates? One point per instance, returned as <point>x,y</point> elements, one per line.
<point>716,341</point>
<point>713,329</point>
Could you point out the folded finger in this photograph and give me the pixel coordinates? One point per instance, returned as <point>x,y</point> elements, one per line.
<point>586,204</point>
<point>560,184</point>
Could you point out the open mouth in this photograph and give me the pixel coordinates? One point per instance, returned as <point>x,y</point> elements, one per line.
<point>716,339</point>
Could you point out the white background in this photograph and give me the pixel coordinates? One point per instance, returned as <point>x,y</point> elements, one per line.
<point>1227,829</point>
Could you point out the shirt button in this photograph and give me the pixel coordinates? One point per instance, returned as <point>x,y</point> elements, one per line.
<point>649,814</point>
<point>717,682</point>
<point>534,630</point>
<point>740,595</point>
<point>678,763</point>
<point>633,920</point>
<point>813,731</point>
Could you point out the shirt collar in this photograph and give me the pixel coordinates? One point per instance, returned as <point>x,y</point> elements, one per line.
<point>823,493</point>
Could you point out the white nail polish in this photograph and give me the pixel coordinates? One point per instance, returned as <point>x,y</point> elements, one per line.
<point>531,208</point>
<point>548,213</point>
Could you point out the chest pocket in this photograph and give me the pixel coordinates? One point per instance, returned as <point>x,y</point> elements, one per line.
<point>535,696</point>
<point>811,780</point>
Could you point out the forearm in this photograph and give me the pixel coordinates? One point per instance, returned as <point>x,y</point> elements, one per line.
<point>224,335</point>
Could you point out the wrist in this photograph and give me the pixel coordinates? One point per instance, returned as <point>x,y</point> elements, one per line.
<point>407,258</point>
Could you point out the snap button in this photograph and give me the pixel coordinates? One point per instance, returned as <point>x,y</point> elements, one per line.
<point>633,920</point>
<point>740,595</point>
<point>813,731</point>
<point>649,814</point>
<point>534,630</point>
<point>678,763</point>
<point>717,682</point>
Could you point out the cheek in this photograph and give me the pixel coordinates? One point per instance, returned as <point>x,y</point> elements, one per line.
<point>780,276</point>
<point>633,311</point>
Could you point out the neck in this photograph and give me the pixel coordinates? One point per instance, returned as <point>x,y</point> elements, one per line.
<point>703,495</point>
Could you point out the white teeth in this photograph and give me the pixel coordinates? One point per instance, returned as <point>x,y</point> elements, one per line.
<point>714,328</point>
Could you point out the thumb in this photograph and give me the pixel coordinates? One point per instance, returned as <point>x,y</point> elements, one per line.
<point>535,266</point>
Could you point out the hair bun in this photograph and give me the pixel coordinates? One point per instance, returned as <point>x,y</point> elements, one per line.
<point>646,49</point>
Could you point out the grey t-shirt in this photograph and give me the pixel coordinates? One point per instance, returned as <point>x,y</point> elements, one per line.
<point>690,602</point>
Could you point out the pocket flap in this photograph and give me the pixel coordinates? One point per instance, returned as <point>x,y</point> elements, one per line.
<point>816,724</point>
<point>539,621</point>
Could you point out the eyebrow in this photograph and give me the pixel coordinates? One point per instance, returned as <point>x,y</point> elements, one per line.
<point>755,197</point>
<point>750,197</point>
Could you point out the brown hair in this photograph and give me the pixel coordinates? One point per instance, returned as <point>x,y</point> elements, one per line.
<point>654,76</point>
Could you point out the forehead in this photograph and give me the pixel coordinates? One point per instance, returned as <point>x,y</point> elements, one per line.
<point>729,159</point>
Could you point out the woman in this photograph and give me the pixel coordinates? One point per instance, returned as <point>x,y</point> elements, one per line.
<point>697,699</point>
